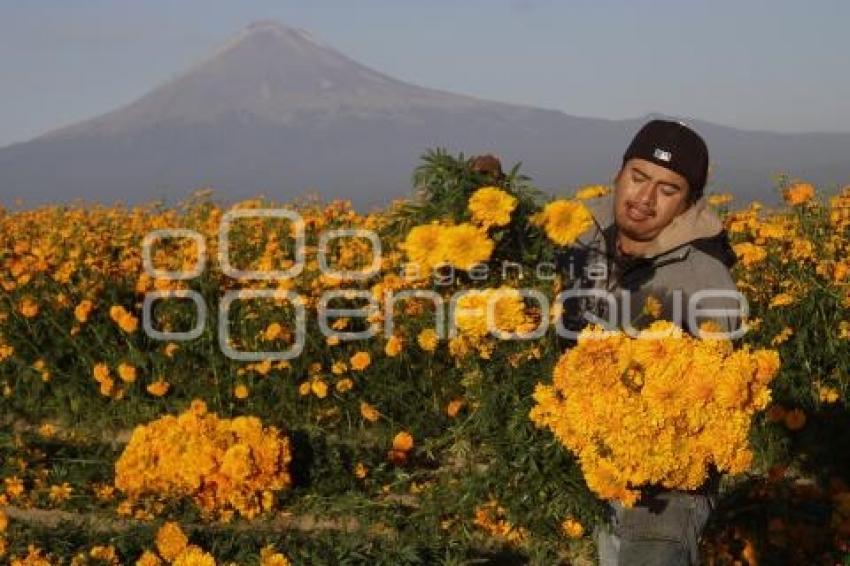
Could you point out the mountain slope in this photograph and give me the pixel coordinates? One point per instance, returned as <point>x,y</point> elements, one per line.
<point>276,111</point>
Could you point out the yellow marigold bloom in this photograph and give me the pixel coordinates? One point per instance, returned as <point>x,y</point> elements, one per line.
<point>100,372</point>
<point>782,337</point>
<point>47,430</point>
<point>393,346</point>
<point>339,367</point>
<point>193,556</point>
<point>403,441</point>
<point>124,319</point>
<point>344,384</point>
<point>652,306</point>
<point>428,339</point>
<point>368,412</point>
<point>360,471</point>
<point>844,330</point>
<point>148,558</point>
<point>572,528</point>
<point>104,492</point>
<point>564,220</point>
<point>782,300</point>
<point>129,324</point>
<point>6,352</point>
<point>828,394</point>
<point>319,388</point>
<point>454,407</point>
<point>28,307</point>
<point>720,200</point>
<point>275,331</point>
<point>492,206</point>
<point>465,245</point>
<point>241,391</point>
<point>749,254</point>
<point>35,557</point>
<point>158,388</point>
<point>60,493</point>
<point>269,557</point>
<point>83,310</point>
<point>592,191</point>
<point>360,361</point>
<point>622,406</point>
<point>508,311</point>
<point>423,246</point>
<point>304,388</point>
<point>170,349</point>
<point>14,487</point>
<point>126,372</point>
<point>191,454</point>
<point>799,193</point>
<point>105,553</point>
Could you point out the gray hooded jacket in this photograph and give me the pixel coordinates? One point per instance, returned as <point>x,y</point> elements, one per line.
<point>687,269</point>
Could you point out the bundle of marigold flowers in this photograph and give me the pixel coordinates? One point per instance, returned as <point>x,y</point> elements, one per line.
<point>225,465</point>
<point>656,409</point>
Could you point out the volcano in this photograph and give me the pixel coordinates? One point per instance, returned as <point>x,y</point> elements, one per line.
<point>276,111</point>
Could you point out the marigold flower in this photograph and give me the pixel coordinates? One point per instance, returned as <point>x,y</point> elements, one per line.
<point>564,221</point>
<point>148,558</point>
<point>592,191</point>
<point>158,388</point>
<point>403,441</point>
<point>194,556</point>
<point>393,346</point>
<point>319,388</point>
<point>572,528</point>
<point>368,412</point>
<point>28,307</point>
<point>492,206</point>
<point>423,246</point>
<point>799,193</point>
<point>83,310</point>
<point>360,361</point>
<point>622,406</point>
<point>428,339</point>
<point>190,454</point>
<point>269,557</point>
<point>60,493</point>
<point>126,372</point>
<point>454,407</point>
<point>465,246</point>
<point>360,471</point>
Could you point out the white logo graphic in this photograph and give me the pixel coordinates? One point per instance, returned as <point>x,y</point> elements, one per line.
<point>662,155</point>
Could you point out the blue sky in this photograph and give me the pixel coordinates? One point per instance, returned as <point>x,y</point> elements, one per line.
<point>774,65</point>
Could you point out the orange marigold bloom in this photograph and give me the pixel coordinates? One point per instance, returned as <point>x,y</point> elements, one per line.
<point>368,412</point>
<point>158,388</point>
<point>799,193</point>
<point>360,361</point>
<point>403,441</point>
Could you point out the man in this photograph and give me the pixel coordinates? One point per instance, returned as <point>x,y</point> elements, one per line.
<point>655,239</point>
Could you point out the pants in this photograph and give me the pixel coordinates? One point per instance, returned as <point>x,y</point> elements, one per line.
<point>663,532</point>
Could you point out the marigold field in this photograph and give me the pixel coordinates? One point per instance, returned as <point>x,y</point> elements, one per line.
<point>407,446</point>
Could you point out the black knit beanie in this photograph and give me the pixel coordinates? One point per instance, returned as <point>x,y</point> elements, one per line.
<point>674,146</point>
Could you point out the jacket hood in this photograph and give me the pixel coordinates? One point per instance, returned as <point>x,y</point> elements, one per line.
<point>699,226</point>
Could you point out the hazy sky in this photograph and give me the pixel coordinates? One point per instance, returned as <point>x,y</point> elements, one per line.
<point>776,65</point>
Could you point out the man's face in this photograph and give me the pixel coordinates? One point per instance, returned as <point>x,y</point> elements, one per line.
<point>647,197</point>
